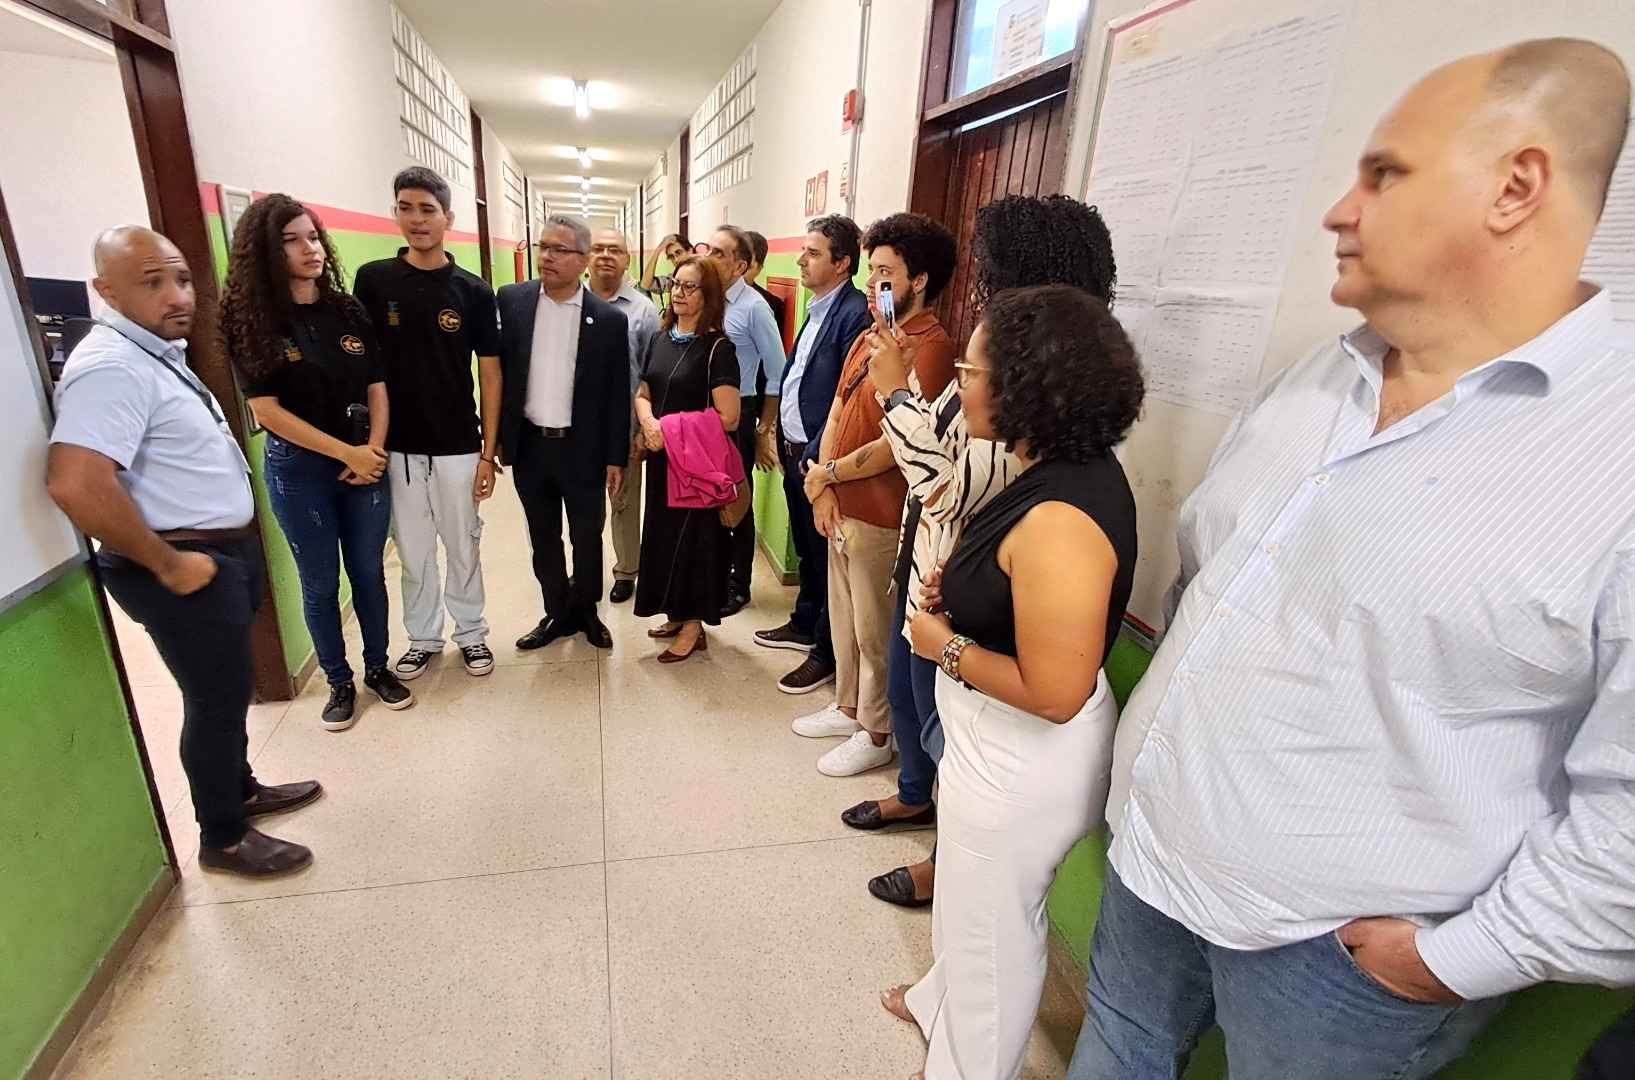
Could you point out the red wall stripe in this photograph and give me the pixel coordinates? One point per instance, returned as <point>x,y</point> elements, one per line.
<point>351,221</point>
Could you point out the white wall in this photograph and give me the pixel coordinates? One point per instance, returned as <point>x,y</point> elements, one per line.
<point>297,96</point>
<point>503,222</point>
<point>67,160</point>
<point>806,60</point>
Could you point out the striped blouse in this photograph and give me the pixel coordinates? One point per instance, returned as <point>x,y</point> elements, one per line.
<point>951,474</point>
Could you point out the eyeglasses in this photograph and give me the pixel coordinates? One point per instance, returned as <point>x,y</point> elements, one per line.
<point>964,373</point>
<point>557,251</point>
<point>685,288</point>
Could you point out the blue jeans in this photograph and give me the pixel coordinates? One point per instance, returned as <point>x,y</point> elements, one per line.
<point>327,520</point>
<point>1299,1012</point>
<point>911,688</point>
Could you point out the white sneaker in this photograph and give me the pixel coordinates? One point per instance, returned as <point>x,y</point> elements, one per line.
<point>857,754</point>
<point>826,722</point>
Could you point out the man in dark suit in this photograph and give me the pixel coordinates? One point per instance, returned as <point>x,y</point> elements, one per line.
<point>835,315</point>
<point>564,424</point>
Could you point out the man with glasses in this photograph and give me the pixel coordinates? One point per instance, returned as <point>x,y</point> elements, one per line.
<point>754,333</point>
<point>609,266</point>
<point>564,424</point>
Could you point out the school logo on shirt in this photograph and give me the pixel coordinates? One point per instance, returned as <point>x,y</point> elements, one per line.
<point>449,319</point>
<point>392,317</point>
<point>291,353</point>
<point>352,344</point>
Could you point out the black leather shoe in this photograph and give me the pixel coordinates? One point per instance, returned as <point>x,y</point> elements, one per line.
<point>623,590</point>
<point>282,798</point>
<point>597,633</point>
<point>547,631</point>
<point>736,602</point>
<point>897,888</point>
<point>258,856</point>
<point>866,816</point>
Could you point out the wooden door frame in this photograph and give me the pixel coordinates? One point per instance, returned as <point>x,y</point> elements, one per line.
<point>480,176</point>
<point>139,31</point>
<point>941,119</point>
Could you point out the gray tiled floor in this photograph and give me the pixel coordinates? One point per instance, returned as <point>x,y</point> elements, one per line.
<point>583,865</point>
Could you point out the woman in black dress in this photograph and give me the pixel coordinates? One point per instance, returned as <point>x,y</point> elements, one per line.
<point>690,366</point>
<point>1020,624</point>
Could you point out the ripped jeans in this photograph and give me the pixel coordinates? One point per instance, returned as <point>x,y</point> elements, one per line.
<point>328,521</point>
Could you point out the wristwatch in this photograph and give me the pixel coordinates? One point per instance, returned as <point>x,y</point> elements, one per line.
<point>829,467</point>
<point>897,398</point>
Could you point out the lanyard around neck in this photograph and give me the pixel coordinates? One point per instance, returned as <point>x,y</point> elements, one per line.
<point>204,396</point>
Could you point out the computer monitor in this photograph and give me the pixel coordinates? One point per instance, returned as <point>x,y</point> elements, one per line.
<point>59,298</point>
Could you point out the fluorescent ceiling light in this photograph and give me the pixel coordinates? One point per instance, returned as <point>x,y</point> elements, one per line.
<point>584,185</point>
<point>581,100</point>
<point>584,157</point>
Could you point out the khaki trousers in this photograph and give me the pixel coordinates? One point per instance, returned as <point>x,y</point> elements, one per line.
<point>860,620</point>
<point>626,509</point>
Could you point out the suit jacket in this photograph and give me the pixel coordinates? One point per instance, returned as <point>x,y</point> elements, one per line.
<point>848,317</point>
<point>600,434</point>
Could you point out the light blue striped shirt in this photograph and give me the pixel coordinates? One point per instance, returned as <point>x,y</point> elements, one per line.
<point>754,333</point>
<point>1401,677</point>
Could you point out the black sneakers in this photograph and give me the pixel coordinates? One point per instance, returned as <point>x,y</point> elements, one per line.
<point>412,665</point>
<point>384,685</point>
<point>341,712</point>
<point>479,659</point>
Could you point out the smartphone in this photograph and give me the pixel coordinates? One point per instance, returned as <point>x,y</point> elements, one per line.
<point>357,420</point>
<point>888,306</point>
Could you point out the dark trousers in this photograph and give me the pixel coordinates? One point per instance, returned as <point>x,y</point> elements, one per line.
<point>741,541</point>
<point>811,614</point>
<point>911,687</point>
<point>546,484</point>
<point>204,639</point>
<point>328,521</point>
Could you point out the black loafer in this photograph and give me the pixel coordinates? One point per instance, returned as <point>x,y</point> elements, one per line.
<point>866,816</point>
<point>597,633</point>
<point>282,798</point>
<point>547,631</point>
<point>258,856</point>
<point>897,888</point>
<point>736,602</point>
<point>622,590</point>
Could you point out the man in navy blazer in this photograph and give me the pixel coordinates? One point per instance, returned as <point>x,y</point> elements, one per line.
<point>835,315</point>
<point>564,424</point>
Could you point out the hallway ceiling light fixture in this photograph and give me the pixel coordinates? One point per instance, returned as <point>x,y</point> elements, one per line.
<point>584,185</point>
<point>584,157</point>
<point>581,99</point>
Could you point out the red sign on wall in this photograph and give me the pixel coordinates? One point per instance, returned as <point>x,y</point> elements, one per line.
<point>811,196</point>
<point>822,192</point>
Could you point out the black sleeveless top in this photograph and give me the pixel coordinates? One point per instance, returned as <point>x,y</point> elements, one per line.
<point>977,593</point>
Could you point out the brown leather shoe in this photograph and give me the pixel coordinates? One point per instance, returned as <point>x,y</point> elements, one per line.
<point>258,856</point>
<point>282,798</point>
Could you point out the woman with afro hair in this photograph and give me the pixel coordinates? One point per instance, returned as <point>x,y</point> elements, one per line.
<point>1020,625</point>
<point>1017,241</point>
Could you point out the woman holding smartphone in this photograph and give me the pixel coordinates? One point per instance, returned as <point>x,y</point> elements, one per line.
<point>310,371</point>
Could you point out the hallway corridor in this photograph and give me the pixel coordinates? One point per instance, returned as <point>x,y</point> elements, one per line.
<point>583,865</point>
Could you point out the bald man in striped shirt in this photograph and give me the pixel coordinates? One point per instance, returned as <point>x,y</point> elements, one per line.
<point>1381,772</point>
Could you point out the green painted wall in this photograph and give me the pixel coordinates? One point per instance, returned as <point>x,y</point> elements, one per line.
<point>1540,1035</point>
<point>79,844</point>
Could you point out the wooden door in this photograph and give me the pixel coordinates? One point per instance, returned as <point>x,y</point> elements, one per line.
<point>1018,153</point>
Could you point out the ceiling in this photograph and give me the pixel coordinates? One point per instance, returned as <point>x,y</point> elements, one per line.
<point>649,65</point>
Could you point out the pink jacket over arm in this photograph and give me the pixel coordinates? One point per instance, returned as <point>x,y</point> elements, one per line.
<point>705,466</point>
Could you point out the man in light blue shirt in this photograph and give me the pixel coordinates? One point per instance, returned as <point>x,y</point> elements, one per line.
<point>142,460</point>
<point>1381,771</point>
<point>752,330</point>
<point>609,267</point>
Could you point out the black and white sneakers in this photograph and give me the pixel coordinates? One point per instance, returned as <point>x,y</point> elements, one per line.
<point>384,685</point>
<point>478,659</point>
<point>342,710</point>
<point>412,664</point>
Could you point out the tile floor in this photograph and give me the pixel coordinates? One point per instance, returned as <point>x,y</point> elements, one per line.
<point>583,865</point>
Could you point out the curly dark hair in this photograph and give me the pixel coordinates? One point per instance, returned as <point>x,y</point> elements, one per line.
<point>1065,377</point>
<point>1022,240</point>
<point>924,246</point>
<point>256,304</point>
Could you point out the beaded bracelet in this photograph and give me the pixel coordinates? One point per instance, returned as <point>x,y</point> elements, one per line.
<point>951,655</point>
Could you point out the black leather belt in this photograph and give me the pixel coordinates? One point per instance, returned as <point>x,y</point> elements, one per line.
<point>553,432</point>
<point>245,532</point>
<point>794,449</point>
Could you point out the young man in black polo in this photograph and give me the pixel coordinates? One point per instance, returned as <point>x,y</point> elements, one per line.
<point>430,316</point>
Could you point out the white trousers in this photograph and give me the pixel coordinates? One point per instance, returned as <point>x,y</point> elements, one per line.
<point>431,501</point>
<point>1017,792</point>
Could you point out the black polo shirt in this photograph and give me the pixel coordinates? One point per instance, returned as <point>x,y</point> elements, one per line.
<point>330,358</point>
<point>429,323</point>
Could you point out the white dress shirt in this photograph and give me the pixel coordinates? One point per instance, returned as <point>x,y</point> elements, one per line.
<point>179,462</point>
<point>789,406</point>
<point>1401,677</point>
<point>554,355</point>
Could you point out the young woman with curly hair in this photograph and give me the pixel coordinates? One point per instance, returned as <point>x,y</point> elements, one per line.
<point>1028,609</point>
<point>1018,241</point>
<point>310,370</point>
